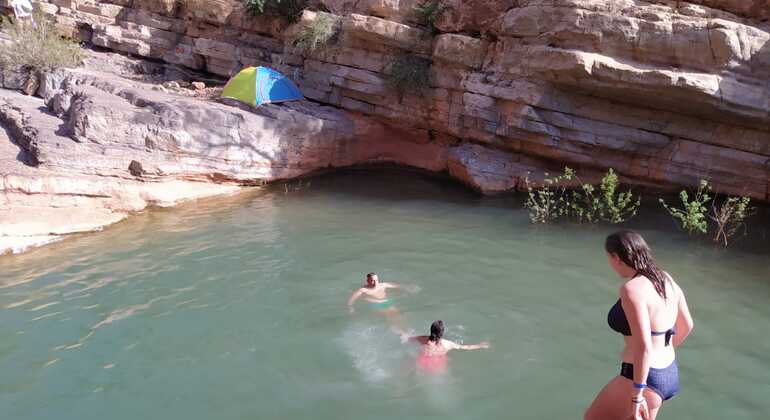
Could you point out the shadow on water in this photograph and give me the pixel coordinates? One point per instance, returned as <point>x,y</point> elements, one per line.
<point>383,185</point>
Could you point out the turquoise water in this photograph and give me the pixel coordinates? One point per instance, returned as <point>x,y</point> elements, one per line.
<point>235,309</point>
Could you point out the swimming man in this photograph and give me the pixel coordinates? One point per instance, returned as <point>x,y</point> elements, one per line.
<point>375,292</point>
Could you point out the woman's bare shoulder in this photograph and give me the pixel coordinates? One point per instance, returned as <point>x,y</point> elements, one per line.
<point>635,285</point>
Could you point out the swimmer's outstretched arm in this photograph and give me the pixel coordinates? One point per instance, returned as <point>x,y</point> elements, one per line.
<point>357,294</point>
<point>411,288</point>
<point>482,345</point>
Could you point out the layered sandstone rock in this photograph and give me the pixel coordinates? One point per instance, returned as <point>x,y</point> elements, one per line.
<point>665,92</point>
<point>95,147</point>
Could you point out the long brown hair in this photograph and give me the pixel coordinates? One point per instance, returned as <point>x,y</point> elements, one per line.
<point>634,252</point>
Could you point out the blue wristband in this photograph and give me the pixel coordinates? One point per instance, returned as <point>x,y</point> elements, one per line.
<point>639,386</point>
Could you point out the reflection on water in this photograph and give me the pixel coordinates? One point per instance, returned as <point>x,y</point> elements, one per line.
<point>233,308</point>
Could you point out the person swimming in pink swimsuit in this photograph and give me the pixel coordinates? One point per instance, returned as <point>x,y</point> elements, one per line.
<point>434,348</point>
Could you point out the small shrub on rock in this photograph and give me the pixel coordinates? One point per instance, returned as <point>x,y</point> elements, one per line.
<point>38,46</point>
<point>586,204</point>
<point>730,217</point>
<point>409,73</point>
<point>607,204</point>
<point>550,201</point>
<point>317,33</point>
<point>291,10</point>
<point>692,217</point>
<point>428,12</point>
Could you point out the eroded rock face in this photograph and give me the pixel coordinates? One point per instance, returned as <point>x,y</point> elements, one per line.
<point>473,16</point>
<point>661,91</point>
<point>460,49</point>
<point>112,146</point>
<point>97,147</point>
<point>665,92</point>
<point>394,10</point>
<point>757,9</point>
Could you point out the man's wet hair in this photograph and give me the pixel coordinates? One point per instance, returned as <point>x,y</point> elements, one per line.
<point>370,275</point>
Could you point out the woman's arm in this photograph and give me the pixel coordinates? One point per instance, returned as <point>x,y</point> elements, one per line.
<point>453,345</point>
<point>634,305</point>
<point>482,345</point>
<point>684,321</point>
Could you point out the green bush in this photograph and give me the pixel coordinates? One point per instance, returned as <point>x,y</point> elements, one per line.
<point>38,46</point>
<point>291,10</point>
<point>317,33</point>
<point>427,13</point>
<point>587,204</point>
<point>409,73</point>
<point>607,204</point>
<point>549,202</point>
<point>692,217</point>
<point>730,217</point>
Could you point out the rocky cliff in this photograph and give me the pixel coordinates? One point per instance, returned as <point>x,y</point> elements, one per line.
<point>99,143</point>
<point>665,92</point>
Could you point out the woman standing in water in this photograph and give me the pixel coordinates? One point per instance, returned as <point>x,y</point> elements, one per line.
<point>653,317</point>
<point>434,348</point>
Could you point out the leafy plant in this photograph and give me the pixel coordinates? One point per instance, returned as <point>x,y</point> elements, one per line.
<point>291,10</point>
<point>255,7</point>
<point>592,204</point>
<point>693,216</point>
<point>549,202</point>
<point>730,216</point>
<point>38,46</point>
<point>585,205</point>
<point>617,207</point>
<point>409,73</point>
<point>427,13</point>
<point>317,33</point>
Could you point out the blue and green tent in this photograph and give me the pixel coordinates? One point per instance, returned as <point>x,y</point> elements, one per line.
<point>261,85</point>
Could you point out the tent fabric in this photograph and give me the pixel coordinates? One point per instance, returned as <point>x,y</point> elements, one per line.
<point>274,87</point>
<point>261,85</point>
<point>242,86</point>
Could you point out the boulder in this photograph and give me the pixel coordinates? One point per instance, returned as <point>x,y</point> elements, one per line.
<point>209,11</point>
<point>163,7</point>
<point>473,16</point>
<point>381,31</point>
<point>460,49</point>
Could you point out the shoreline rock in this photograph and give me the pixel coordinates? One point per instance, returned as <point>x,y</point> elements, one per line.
<point>97,147</point>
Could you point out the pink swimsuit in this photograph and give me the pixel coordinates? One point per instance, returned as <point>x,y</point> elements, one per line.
<point>431,364</point>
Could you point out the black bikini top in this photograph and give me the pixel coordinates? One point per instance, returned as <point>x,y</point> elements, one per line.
<point>617,320</point>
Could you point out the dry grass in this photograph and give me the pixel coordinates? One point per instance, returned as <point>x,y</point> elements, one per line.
<point>409,73</point>
<point>38,46</point>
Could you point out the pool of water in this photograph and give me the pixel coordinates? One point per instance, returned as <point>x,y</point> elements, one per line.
<point>235,309</point>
